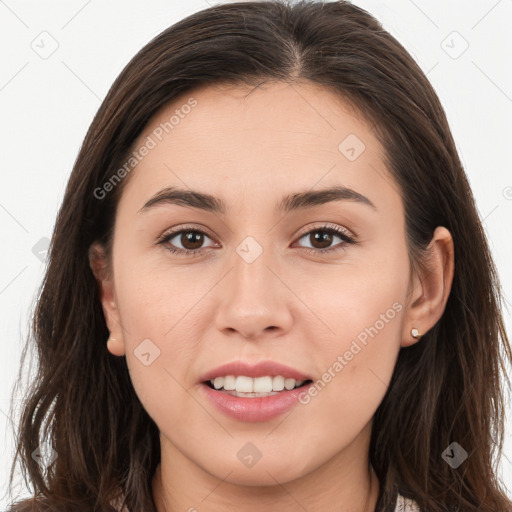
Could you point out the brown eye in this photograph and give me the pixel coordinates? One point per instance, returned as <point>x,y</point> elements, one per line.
<point>191,240</point>
<point>322,238</point>
<point>185,241</point>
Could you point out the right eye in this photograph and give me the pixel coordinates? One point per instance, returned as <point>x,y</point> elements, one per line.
<point>190,239</point>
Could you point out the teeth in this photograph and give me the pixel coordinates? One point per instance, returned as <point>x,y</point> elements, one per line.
<point>289,383</point>
<point>228,383</point>
<point>278,383</point>
<point>218,382</point>
<point>243,384</point>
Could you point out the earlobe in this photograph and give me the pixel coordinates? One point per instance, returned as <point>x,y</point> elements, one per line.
<point>116,346</point>
<point>431,287</point>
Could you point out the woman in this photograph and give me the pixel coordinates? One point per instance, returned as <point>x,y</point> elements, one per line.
<point>269,225</point>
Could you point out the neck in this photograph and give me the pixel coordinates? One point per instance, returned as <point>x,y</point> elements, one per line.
<point>346,483</point>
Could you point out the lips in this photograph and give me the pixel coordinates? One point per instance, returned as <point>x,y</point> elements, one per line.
<point>253,407</point>
<point>248,409</point>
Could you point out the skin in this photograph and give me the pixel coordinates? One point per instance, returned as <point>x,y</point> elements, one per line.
<point>206,310</point>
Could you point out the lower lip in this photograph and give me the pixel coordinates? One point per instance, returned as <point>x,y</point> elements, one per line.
<point>254,409</point>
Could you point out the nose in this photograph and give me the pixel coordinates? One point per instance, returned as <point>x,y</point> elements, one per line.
<point>254,300</point>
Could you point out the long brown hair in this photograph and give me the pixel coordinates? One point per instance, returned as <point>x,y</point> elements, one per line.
<point>444,389</point>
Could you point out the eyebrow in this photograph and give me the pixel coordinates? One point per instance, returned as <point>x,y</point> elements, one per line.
<point>291,202</point>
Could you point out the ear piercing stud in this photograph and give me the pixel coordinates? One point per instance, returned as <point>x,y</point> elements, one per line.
<point>415,333</point>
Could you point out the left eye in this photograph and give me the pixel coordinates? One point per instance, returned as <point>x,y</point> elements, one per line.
<point>325,235</point>
<point>191,240</point>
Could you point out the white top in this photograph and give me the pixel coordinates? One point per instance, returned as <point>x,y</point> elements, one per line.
<point>406,505</point>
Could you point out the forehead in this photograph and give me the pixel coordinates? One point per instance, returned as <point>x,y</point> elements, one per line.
<point>276,112</point>
<point>232,138</point>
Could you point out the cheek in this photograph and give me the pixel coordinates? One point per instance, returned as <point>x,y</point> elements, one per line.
<point>362,298</point>
<point>362,314</point>
<point>153,298</point>
<point>160,342</point>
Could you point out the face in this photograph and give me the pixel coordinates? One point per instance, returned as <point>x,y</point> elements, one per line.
<point>321,285</point>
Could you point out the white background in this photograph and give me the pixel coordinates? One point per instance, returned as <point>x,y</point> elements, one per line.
<point>47,104</point>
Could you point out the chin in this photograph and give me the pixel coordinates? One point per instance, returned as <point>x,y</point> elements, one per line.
<point>261,474</point>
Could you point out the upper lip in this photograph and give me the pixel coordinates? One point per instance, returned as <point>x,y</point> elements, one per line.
<point>260,369</point>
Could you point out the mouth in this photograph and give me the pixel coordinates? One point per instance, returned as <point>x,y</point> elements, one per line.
<point>242,386</point>
<point>254,391</point>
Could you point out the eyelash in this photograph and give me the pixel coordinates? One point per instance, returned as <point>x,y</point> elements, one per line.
<point>327,228</point>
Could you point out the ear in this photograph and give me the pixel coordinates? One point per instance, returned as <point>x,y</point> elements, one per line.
<point>431,285</point>
<point>105,279</point>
